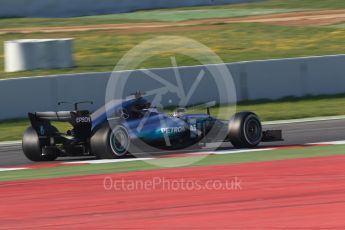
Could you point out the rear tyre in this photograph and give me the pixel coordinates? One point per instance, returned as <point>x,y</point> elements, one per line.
<point>107,143</point>
<point>32,147</point>
<point>245,130</point>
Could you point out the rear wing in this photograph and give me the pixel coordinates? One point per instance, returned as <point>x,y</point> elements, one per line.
<point>80,121</point>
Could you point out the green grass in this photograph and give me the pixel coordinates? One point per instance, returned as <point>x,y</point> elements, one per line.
<point>192,14</point>
<point>61,22</point>
<point>293,108</point>
<point>65,171</point>
<point>178,14</point>
<point>285,4</point>
<point>338,26</point>
<point>14,129</point>
<point>170,15</point>
<point>101,50</point>
<point>226,11</point>
<point>288,108</point>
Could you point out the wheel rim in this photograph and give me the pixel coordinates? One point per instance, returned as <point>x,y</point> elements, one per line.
<point>253,130</point>
<point>119,141</point>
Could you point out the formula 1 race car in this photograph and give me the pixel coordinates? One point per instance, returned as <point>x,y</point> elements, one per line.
<point>114,129</point>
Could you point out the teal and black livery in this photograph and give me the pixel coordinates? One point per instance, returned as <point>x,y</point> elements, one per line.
<point>122,127</point>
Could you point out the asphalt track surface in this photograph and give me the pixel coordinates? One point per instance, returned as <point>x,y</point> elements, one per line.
<point>293,133</point>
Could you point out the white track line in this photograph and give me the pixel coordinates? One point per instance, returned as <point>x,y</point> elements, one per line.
<point>328,143</point>
<point>232,151</point>
<point>106,161</point>
<point>11,169</point>
<point>9,143</point>
<point>303,120</point>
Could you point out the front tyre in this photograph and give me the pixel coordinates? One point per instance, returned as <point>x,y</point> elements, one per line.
<point>107,143</point>
<point>32,147</point>
<point>245,130</point>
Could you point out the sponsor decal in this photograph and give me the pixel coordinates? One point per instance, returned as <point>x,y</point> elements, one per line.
<point>173,130</point>
<point>83,119</point>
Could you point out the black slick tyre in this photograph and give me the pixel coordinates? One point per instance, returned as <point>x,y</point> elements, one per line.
<point>245,130</point>
<point>32,147</point>
<point>107,143</point>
